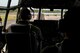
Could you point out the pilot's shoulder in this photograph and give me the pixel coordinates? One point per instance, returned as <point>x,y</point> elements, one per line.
<point>34,27</point>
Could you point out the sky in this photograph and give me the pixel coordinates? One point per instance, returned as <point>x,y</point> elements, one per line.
<point>4,2</point>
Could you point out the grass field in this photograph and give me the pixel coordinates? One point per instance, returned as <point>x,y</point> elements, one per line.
<point>10,17</point>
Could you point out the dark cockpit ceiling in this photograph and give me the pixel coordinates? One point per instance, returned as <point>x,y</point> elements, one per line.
<point>48,3</point>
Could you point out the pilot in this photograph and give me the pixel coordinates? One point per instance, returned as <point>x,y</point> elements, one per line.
<point>25,16</point>
<point>71,31</point>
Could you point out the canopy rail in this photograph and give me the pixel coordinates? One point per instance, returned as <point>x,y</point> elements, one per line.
<point>39,14</point>
<point>7,12</point>
<point>62,13</point>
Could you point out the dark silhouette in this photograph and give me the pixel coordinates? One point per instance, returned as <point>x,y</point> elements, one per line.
<point>24,25</point>
<point>71,30</point>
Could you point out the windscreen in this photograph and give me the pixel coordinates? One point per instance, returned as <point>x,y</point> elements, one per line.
<point>4,3</point>
<point>11,15</point>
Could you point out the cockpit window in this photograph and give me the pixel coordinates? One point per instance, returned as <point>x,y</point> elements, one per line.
<point>46,14</point>
<point>12,14</point>
<point>5,2</point>
<point>51,15</point>
<point>14,2</point>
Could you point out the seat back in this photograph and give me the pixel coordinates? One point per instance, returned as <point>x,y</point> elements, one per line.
<point>20,43</point>
<point>20,28</point>
<point>48,28</point>
<point>26,29</point>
